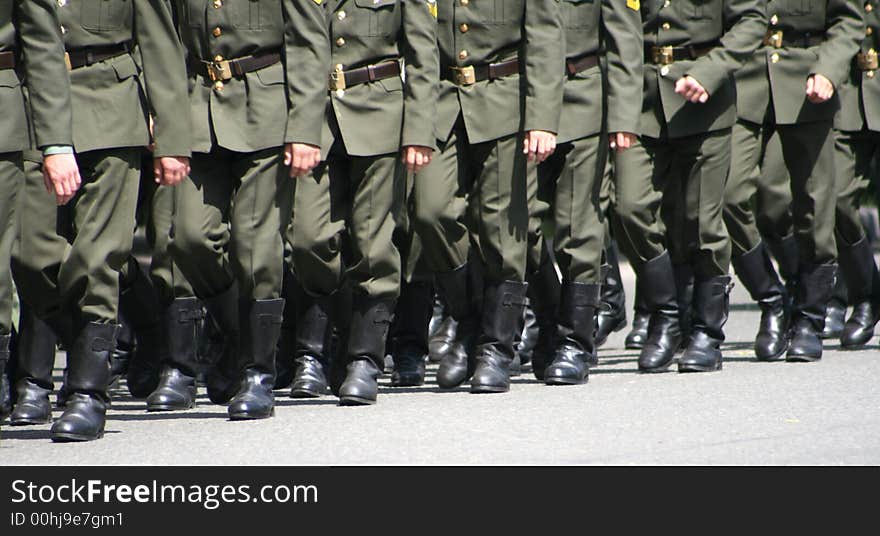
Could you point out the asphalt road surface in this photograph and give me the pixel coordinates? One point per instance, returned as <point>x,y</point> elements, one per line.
<point>749,413</point>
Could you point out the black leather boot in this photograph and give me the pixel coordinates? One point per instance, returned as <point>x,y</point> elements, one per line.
<point>657,280</point>
<point>87,380</point>
<point>312,348</point>
<point>370,322</point>
<point>785,251</point>
<point>611,315</point>
<point>684,297</point>
<point>121,355</point>
<point>222,379</point>
<point>525,340</point>
<point>437,314</point>
<point>409,333</point>
<point>711,305</point>
<point>544,290</point>
<point>576,349</point>
<point>261,326</point>
<point>814,288</point>
<point>637,336</point>
<point>442,338</point>
<point>139,304</point>
<point>5,394</point>
<point>33,378</point>
<point>863,281</point>
<point>177,384</point>
<point>285,367</point>
<point>502,308</point>
<point>456,288</point>
<point>759,277</point>
<point>835,312</point>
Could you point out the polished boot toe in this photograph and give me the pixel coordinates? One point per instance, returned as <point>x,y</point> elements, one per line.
<point>771,342</point>
<point>806,344</point>
<point>570,367</point>
<point>701,355</point>
<point>310,380</point>
<point>453,370</point>
<point>492,374</point>
<point>255,399</point>
<point>32,405</point>
<point>176,392</point>
<point>83,419</point>
<point>859,328</point>
<point>442,340</point>
<point>360,387</point>
<point>637,336</point>
<point>835,317</point>
<point>664,339</point>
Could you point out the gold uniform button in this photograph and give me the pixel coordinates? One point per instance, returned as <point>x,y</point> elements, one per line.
<point>774,20</point>
<point>218,58</point>
<point>62,3</point>
<point>870,74</point>
<point>869,31</point>
<point>341,15</point>
<point>340,42</point>
<point>667,3</point>
<point>664,70</point>
<point>218,86</point>
<point>665,26</point>
<point>463,27</point>
<point>218,4</point>
<point>774,58</point>
<point>869,8</point>
<point>463,55</point>
<point>464,2</point>
<point>217,32</point>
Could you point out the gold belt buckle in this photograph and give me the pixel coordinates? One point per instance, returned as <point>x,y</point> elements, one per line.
<point>67,61</point>
<point>868,61</point>
<point>773,39</point>
<point>219,71</point>
<point>664,55</point>
<point>464,76</point>
<point>337,80</point>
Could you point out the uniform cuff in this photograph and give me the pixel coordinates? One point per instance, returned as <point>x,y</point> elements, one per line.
<point>49,150</point>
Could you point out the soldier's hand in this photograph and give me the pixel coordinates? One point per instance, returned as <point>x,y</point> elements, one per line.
<point>61,176</point>
<point>170,170</point>
<point>621,141</point>
<point>416,157</point>
<point>690,89</point>
<point>301,158</point>
<point>539,145</point>
<point>819,89</point>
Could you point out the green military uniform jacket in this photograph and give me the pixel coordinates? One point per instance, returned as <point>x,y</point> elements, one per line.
<point>781,73</point>
<point>108,105</point>
<point>30,29</point>
<point>480,32</point>
<point>278,104</point>
<point>616,27</point>
<point>860,95</point>
<point>378,117</point>
<point>734,27</point>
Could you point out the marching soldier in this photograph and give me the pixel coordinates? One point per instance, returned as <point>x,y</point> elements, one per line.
<point>501,66</point>
<point>31,56</point>
<point>856,149</point>
<point>692,50</point>
<point>570,180</point>
<point>257,84</point>
<point>353,201</point>
<point>74,286</point>
<point>789,89</point>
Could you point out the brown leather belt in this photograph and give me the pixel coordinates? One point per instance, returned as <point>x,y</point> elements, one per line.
<point>779,39</point>
<point>579,65</point>
<point>84,57</point>
<point>470,75</point>
<point>222,70</point>
<point>666,55</point>
<point>7,60</point>
<point>340,80</point>
<point>867,61</point>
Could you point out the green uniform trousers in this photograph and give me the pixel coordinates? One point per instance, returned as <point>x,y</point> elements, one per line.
<point>570,183</point>
<point>808,155</point>
<point>158,210</point>
<point>229,217</point>
<point>11,180</point>
<point>344,219</point>
<point>854,155</point>
<point>68,258</point>
<point>413,266</point>
<point>693,170</point>
<point>475,194</point>
<point>773,199</point>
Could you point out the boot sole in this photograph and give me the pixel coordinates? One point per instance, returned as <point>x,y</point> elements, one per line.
<point>304,393</point>
<point>565,381</point>
<point>29,422</point>
<point>488,389</point>
<point>355,401</point>
<point>166,407</point>
<point>75,438</point>
<point>698,368</point>
<point>250,416</point>
<point>802,358</point>
<point>633,346</point>
<point>776,357</point>
<point>655,370</point>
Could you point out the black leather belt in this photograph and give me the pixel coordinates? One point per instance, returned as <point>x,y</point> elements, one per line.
<point>221,70</point>
<point>579,65</point>
<point>84,57</point>
<point>340,80</point>
<point>780,38</point>
<point>665,55</point>
<point>7,60</point>
<point>470,75</point>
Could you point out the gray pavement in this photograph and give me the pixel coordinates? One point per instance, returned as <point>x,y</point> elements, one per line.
<point>749,413</point>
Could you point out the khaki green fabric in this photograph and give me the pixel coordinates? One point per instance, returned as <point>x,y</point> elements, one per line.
<point>278,104</point>
<point>228,222</point>
<point>69,257</point>
<point>854,154</point>
<point>499,30</point>
<point>474,193</point>
<point>773,198</point>
<point>694,170</point>
<point>747,154</point>
<point>112,88</point>
<point>735,26</point>
<point>860,95</point>
<point>33,26</point>
<point>11,179</point>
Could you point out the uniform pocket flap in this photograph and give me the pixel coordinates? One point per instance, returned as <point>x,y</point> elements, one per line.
<point>272,75</point>
<point>375,4</point>
<point>125,67</point>
<point>8,78</point>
